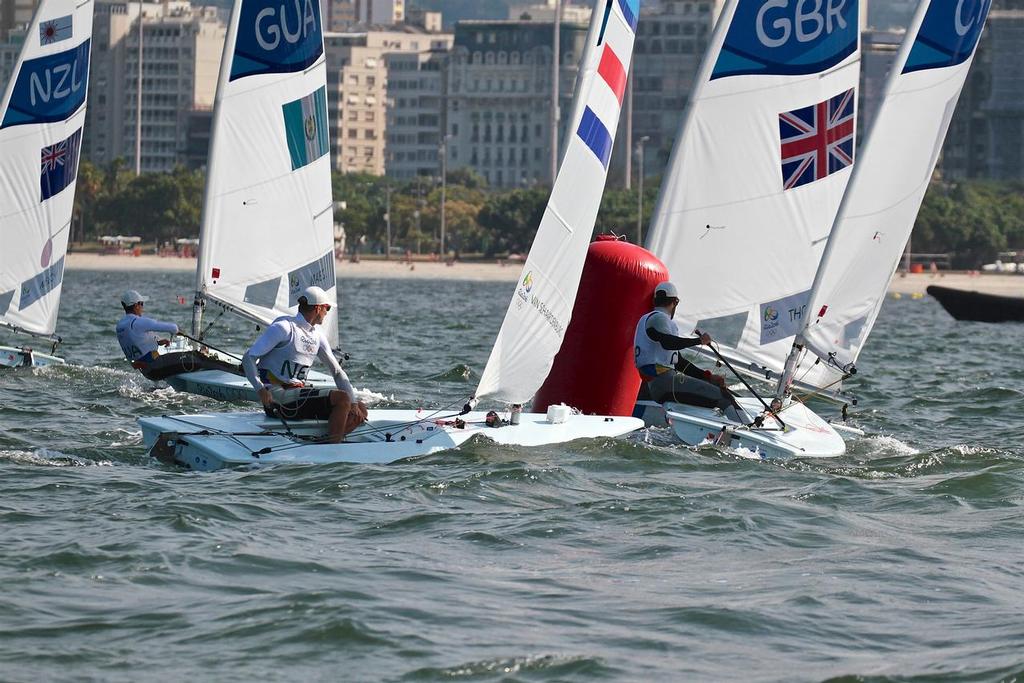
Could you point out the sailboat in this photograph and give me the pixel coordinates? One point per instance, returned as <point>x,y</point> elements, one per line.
<point>267,228</point>
<point>41,121</point>
<point>866,240</point>
<point>535,321</point>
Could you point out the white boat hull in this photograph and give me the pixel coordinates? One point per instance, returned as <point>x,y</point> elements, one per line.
<point>806,435</point>
<point>213,441</point>
<point>225,386</point>
<point>14,357</point>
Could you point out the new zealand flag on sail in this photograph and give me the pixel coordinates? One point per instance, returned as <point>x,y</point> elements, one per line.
<point>59,165</point>
<point>818,140</point>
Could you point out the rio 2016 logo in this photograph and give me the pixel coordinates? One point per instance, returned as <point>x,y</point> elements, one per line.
<point>526,286</point>
<point>770,314</point>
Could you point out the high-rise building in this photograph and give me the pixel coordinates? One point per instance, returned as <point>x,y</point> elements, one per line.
<point>357,95</point>
<point>878,51</point>
<point>416,85</point>
<point>672,37</point>
<point>1004,107</point>
<point>498,106</point>
<point>15,14</point>
<point>181,52</point>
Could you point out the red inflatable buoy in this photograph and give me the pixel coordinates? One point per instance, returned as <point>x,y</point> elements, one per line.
<point>594,369</point>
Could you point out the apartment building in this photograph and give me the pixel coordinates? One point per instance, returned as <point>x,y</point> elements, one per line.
<point>498,107</point>
<point>181,52</point>
<point>357,95</point>
<point>416,89</point>
<point>15,14</point>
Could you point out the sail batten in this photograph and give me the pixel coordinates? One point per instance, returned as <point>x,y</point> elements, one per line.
<point>42,115</point>
<point>267,227</point>
<point>541,306</point>
<point>764,153</point>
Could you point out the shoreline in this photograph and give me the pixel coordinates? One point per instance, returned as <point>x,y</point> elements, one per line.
<point>476,271</point>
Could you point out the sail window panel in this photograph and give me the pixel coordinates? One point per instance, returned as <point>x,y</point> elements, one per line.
<point>5,301</point>
<point>263,294</point>
<point>727,329</point>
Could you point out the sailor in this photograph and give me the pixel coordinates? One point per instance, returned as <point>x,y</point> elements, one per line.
<point>279,360</point>
<point>666,375</point>
<point>138,335</point>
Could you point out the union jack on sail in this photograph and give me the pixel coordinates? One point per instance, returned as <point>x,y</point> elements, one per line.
<point>817,140</point>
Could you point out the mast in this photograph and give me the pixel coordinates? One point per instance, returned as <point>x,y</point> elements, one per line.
<point>204,229</point>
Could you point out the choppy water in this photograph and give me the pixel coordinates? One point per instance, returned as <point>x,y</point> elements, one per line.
<point>614,560</point>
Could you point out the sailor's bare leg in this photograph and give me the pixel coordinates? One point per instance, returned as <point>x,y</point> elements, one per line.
<point>337,423</point>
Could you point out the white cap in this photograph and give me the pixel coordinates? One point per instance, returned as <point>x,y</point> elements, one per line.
<point>131,297</point>
<point>314,296</point>
<point>666,290</point>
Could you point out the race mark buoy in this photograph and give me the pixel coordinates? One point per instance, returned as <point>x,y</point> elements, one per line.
<point>594,370</point>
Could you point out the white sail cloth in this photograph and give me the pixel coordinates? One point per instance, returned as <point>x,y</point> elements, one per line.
<point>892,176</point>
<point>267,227</point>
<point>41,120</point>
<point>757,174</point>
<point>541,306</point>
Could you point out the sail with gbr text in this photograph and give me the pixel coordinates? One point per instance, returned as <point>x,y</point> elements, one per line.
<point>758,170</point>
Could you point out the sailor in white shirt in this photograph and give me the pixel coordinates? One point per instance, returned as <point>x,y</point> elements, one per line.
<point>279,360</point>
<point>139,336</point>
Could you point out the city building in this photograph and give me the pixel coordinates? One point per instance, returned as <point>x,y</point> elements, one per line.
<point>1004,107</point>
<point>182,47</point>
<point>10,48</point>
<point>357,94</point>
<point>498,104</point>
<point>672,37</point>
<point>416,85</point>
<point>15,14</point>
<point>545,11</point>
<point>878,48</point>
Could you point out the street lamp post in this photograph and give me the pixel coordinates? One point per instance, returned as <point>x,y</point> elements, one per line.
<point>442,151</point>
<point>640,188</point>
<point>387,220</point>
<point>138,103</point>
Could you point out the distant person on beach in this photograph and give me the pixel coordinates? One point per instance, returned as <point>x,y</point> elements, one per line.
<point>138,335</point>
<point>279,360</point>
<point>665,374</point>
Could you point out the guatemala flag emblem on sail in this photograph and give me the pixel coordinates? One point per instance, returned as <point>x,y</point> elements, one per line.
<point>817,140</point>
<point>305,127</point>
<point>59,165</point>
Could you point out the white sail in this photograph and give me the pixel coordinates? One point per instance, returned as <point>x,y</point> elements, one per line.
<point>267,227</point>
<point>41,120</point>
<point>757,173</point>
<point>892,176</point>
<point>541,306</point>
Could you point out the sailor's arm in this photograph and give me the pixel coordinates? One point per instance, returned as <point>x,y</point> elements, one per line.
<point>340,378</point>
<point>658,331</point>
<point>153,325</point>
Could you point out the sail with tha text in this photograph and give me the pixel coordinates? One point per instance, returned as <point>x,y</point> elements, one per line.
<point>267,226</point>
<point>757,173</point>
<point>42,115</point>
<point>893,173</point>
<point>542,303</point>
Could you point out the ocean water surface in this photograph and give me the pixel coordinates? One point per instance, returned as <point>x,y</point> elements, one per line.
<point>623,560</point>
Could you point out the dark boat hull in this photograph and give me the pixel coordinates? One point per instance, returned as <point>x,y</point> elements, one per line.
<point>986,308</point>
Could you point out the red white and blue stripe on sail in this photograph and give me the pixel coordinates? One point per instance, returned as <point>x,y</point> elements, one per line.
<point>601,113</point>
<point>818,140</point>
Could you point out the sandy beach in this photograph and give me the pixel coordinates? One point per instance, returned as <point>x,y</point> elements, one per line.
<point>903,284</point>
